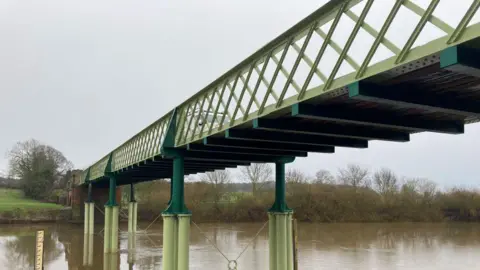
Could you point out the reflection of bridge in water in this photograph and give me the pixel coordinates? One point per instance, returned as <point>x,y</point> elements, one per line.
<point>351,72</point>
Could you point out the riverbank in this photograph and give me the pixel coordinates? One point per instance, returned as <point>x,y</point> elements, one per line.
<point>15,208</point>
<point>315,203</point>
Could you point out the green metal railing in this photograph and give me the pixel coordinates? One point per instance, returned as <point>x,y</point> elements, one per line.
<point>342,42</point>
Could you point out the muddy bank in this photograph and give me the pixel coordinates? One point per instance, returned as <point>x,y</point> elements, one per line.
<point>21,216</point>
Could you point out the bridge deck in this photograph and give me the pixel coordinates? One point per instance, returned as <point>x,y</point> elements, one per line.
<point>307,91</point>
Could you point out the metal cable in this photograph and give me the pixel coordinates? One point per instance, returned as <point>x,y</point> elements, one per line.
<point>151,222</point>
<point>251,241</point>
<point>232,264</point>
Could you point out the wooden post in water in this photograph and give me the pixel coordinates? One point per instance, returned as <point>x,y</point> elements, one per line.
<point>295,243</point>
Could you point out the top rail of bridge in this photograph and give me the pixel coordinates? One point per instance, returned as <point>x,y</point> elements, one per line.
<point>342,42</point>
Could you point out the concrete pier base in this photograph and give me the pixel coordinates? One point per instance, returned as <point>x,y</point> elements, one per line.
<point>107,231</point>
<point>132,238</point>
<point>87,249</point>
<point>132,217</point>
<point>176,235</point>
<point>280,241</point>
<point>110,244</point>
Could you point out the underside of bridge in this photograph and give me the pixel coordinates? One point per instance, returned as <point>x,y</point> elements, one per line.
<point>264,111</point>
<point>440,93</point>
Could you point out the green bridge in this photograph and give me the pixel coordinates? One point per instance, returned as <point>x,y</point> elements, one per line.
<point>351,72</point>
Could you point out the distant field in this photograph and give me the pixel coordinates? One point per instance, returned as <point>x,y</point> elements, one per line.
<point>11,199</point>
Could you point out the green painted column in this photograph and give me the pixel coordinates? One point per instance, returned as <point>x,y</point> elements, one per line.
<point>272,251</point>
<point>168,241</point>
<point>183,241</point>
<point>177,201</point>
<point>107,231</point>
<point>280,204</point>
<point>114,237</point>
<point>176,220</point>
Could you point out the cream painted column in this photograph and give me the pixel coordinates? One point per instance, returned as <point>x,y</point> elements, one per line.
<point>107,231</point>
<point>168,260</point>
<point>114,232</point>
<point>91,226</point>
<point>183,241</point>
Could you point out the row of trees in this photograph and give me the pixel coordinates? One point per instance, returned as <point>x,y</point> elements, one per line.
<point>39,168</point>
<point>259,176</point>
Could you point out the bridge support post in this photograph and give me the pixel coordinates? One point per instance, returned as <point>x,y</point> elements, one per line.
<point>132,212</point>
<point>176,222</point>
<point>131,258</point>
<point>111,219</point>
<point>88,228</point>
<point>280,240</point>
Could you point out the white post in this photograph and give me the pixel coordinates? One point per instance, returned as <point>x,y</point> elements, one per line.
<point>114,237</point>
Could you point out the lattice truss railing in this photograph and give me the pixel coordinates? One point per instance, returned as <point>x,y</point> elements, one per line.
<point>142,146</point>
<point>97,170</point>
<point>339,45</point>
<point>146,144</point>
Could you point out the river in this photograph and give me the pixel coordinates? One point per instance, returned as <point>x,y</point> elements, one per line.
<point>417,246</point>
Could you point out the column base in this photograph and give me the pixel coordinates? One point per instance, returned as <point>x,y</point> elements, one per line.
<point>176,234</point>
<point>111,230</point>
<point>280,241</point>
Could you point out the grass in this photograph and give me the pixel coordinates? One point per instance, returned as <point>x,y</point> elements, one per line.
<point>11,199</point>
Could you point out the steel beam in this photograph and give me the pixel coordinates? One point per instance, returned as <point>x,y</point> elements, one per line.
<point>304,139</point>
<point>343,131</point>
<point>266,145</point>
<point>461,59</point>
<point>408,96</point>
<point>370,118</point>
<point>220,149</point>
<point>192,155</point>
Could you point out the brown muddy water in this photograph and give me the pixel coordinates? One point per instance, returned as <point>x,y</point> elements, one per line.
<point>417,246</point>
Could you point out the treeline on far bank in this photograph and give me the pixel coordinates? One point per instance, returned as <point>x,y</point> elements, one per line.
<point>379,197</point>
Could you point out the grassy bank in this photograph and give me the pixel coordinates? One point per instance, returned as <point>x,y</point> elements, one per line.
<point>11,199</point>
<point>15,208</point>
<point>316,203</point>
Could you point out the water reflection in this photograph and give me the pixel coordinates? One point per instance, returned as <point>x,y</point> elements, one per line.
<point>17,246</point>
<point>321,246</point>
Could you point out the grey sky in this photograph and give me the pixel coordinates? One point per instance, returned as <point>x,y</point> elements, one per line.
<point>84,76</point>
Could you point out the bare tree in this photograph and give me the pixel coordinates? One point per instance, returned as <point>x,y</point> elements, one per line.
<point>419,189</point>
<point>295,176</point>
<point>39,167</point>
<point>324,177</point>
<point>257,174</point>
<point>354,175</point>
<point>218,181</point>
<point>385,182</point>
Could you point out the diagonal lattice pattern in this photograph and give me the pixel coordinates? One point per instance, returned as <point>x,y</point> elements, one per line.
<point>340,43</point>
<point>350,41</point>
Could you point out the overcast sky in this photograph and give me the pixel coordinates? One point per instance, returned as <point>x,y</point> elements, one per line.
<point>84,76</point>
